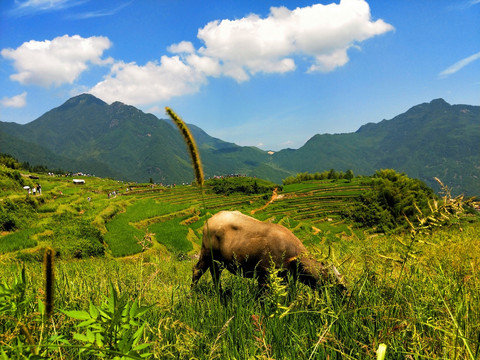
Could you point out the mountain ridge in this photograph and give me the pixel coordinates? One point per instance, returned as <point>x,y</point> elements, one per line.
<point>429,140</point>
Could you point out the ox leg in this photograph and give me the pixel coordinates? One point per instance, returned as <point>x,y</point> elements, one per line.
<point>199,269</point>
<point>216,271</point>
<point>262,278</point>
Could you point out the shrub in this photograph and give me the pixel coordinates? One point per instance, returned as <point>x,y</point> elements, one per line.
<point>76,237</point>
<point>392,198</point>
<point>9,161</point>
<point>326,175</point>
<point>15,214</point>
<point>243,185</point>
<point>7,220</point>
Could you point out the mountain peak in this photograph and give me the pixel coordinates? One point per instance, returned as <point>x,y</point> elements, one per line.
<point>439,102</point>
<point>83,99</point>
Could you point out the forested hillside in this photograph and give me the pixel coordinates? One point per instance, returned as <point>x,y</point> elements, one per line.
<point>430,140</point>
<point>85,134</point>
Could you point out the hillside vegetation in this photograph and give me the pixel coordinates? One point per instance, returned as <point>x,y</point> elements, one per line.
<point>87,135</point>
<point>124,254</point>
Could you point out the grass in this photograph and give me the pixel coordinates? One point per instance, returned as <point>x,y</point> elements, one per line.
<point>17,241</point>
<point>172,235</point>
<point>435,314</point>
<point>417,295</point>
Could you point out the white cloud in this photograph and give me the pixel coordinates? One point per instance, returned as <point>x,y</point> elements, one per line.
<point>17,101</point>
<point>56,62</point>
<point>459,65</point>
<point>321,34</point>
<point>244,47</point>
<point>287,143</point>
<point>182,47</point>
<point>324,33</point>
<point>150,83</point>
<point>204,65</point>
<point>156,110</point>
<point>174,76</point>
<point>26,7</point>
<point>98,13</point>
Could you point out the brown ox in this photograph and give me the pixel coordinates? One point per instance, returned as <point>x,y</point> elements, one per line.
<point>246,246</point>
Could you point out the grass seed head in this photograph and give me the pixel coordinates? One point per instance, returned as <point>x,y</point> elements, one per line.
<point>192,146</point>
<point>49,276</point>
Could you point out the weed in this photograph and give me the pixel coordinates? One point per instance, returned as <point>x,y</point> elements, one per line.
<point>113,329</point>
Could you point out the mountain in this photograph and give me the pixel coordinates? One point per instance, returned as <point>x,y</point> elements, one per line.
<point>430,140</point>
<point>85,134</point>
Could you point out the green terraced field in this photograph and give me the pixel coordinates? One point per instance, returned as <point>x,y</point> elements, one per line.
<point>418,295</point>
<point>125,218</point>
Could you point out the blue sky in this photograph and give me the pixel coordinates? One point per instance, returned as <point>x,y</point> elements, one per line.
<point>263,73</point>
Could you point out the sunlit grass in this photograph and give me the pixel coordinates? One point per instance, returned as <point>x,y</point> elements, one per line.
<point>414,296</point>
<point>435,313</point>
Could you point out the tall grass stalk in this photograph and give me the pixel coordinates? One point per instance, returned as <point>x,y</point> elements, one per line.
<point>440,214</point>
<point>28,337</point>
<point>197,167</point>
<point>455,323</point>
<point>192,146</point>
<point>49,275</point>
<point>193,151</point>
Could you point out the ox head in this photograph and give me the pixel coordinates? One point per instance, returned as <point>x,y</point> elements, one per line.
<point>316,274</point>
<point>339,281</point>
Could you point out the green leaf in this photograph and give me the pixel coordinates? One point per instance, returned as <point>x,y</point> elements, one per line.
<point>141,346</point>
<point>381,351</point>
<point>90,336</point>
<point>104,314</point>
<point>142,310</point>
<point>133,309</point>
<point>112,300</point>
<point>125,344</point>
<point>93,310</point>
<point>79,315</point>
<point>58,338</point>
<point>99,339</point>
<point>80,337</point>
<point>86,323</point>
<point>4,356</point>
<point>41,307</point>
<point>138,334</point>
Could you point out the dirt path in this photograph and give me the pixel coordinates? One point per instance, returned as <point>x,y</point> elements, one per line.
<point>272,199</point>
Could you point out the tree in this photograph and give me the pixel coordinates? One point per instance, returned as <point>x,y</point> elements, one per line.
<point>393,199</point>
<point>332,174</point>
<point>349,175</point>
